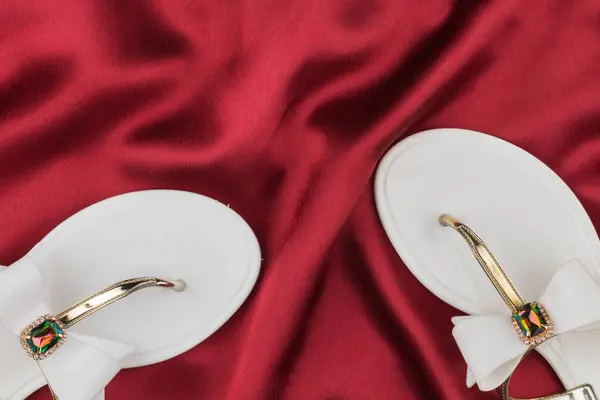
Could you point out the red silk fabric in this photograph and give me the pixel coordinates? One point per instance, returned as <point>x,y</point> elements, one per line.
<point>282,109</point>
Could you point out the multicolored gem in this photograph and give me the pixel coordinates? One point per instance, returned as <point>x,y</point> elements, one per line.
<point>42,337</point>
<point>532,324</point>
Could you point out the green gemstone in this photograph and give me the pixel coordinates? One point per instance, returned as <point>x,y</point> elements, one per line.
<point>44,337</point>
<point>531,320</point>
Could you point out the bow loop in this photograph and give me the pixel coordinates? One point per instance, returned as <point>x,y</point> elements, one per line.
<point>22,295</point>
<point>572,298</point>
<point>490,347</point>
<point>92,361</point>
<point>79,370</point>
<point>17,370</point>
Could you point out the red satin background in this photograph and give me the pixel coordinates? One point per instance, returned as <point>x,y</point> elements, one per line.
<point>283,109</point>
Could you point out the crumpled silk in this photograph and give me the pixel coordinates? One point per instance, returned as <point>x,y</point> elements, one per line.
<point>282,109</point>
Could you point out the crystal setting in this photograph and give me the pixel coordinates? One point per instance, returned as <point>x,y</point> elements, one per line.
<point>43,337</point>
<point>532,323</point>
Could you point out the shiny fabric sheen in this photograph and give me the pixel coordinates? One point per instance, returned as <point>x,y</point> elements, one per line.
<point>282,109</point>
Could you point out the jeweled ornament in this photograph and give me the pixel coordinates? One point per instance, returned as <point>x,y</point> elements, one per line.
<point>42,337</point>
<point>533,324</point>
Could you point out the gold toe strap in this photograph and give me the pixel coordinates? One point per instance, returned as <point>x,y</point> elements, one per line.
<point>119,290</point>
<point>506,289</point>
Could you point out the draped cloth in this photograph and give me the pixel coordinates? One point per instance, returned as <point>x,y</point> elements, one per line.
<point>282,109</point>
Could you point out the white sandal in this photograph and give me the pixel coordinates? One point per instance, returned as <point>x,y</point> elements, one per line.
<point>191,243</point>
<point>536,227</point>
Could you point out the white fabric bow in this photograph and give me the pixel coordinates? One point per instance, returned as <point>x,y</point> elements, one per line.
<point>79,370</point>
<point>492,348</point>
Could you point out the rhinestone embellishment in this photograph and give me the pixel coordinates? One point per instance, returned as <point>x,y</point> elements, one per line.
<point>532,323</point>
<point>43,337</point>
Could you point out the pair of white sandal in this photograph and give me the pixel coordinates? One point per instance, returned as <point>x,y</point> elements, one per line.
<point>533,222</point>
<point>538,231</point>
<point>203,247</point>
